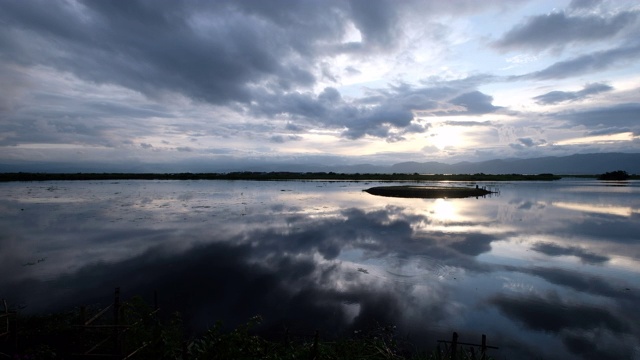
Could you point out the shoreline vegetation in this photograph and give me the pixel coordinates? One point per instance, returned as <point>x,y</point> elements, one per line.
<point>276,176</point>
<point>144,335</point>
<point>429,192</point>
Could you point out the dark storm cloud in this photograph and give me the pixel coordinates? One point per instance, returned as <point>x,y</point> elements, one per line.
<point>208,51</point>
<point>535,32</point>
<point>593,62</point>
<point>265,56</point>
<point>556,250</point>
<point>215,52</point>
<point>555,97</point>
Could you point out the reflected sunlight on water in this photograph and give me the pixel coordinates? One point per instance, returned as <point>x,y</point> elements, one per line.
<point>599,208</point>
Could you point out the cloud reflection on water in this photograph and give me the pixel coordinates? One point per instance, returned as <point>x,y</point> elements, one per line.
<point>333,258</point>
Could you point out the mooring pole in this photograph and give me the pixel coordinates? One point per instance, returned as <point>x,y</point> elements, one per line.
<point>454,346</point>
<point>116,320</point>
<point>316,340</point>
<point>484,347</point>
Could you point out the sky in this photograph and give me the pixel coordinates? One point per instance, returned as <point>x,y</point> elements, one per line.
<point>200,84</point>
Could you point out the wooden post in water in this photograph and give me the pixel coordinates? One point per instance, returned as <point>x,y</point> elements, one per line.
<point>11,327</point>
<point>454,346</point>
<point>314,351</point>
<point>483,349</point>
<point>116,321</point>
<point>83,322</point>
<point>5,315</point>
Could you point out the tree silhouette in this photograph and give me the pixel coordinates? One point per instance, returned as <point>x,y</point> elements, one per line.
<point>614,175</point>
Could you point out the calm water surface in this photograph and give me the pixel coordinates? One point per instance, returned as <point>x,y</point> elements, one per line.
<point>545,270</point>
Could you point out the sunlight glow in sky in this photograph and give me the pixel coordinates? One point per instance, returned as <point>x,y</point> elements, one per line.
<point>198,85</point>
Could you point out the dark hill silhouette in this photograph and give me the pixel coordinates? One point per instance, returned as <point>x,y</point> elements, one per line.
<point>566,165</point>
<point>582,164</point>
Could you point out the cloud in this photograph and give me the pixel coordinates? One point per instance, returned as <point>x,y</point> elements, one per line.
<point>590,284</point>
<point>593,62</point>
<point>280,139</point>
<point>527,142</point>
<point>474,244</point>
<point>264,59</point>
<point>290,276</point>
<point>551,314</point>
<point>556,250</point>
<point>376,21</point>
<point>67,113</point>
<point>214,52</point>
<point>555,97</point>
<point>116,75</point>
<point>469,123</point>
<point>475,102</point>
<point>621,115</point>
<point>608,131</point>
<point>218,52</point>
<point>583,4</point>
<point>533,34</point>
<point>572,323</point>
<point>384,113</point>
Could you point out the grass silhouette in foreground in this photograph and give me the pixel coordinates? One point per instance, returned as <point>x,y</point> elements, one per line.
<point>58,336</point>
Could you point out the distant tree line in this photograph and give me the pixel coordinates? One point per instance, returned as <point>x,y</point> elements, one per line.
<point>266,176</point>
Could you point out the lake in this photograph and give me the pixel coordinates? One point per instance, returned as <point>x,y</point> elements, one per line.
<point>544,269</point>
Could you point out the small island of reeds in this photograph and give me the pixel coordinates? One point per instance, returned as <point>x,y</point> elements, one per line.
<point>428,192</point>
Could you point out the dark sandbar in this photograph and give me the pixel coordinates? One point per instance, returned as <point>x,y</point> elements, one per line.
<point>427,192</point>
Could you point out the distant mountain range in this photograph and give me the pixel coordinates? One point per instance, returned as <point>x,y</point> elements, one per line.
<point>583,164</point>
<point>565,165</point>
<point>589,164</point>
